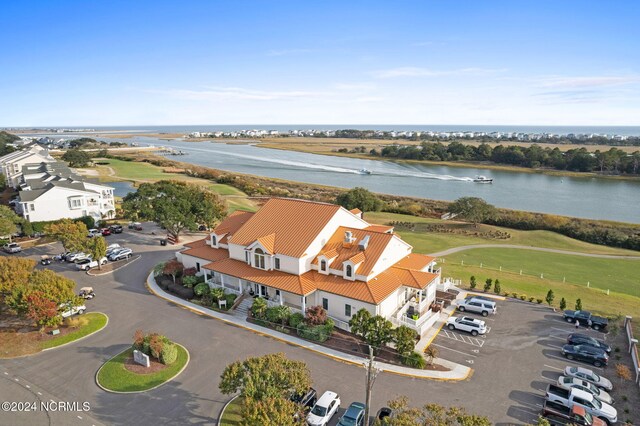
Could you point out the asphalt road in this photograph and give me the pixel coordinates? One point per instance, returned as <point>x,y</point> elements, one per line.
<point>509,367</point>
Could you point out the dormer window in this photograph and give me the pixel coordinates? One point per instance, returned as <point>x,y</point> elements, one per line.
<point>348,271</point>
<point>323,265</point>
<point>258,258</point>
<point>214,241</point>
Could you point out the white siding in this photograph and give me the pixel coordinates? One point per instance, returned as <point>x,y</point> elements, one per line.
<point>392,254</point>
<point>336,305</point>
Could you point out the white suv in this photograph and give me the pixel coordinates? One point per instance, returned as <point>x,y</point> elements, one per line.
<point>324,409</point>
<point>471,325</point>
<point>478,306</point>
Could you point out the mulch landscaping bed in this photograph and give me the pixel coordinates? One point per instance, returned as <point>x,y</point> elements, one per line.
<point>134,367</point>
<point>623,389</point>
<point>351,344</point>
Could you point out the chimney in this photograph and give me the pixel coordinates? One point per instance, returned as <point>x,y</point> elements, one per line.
<point>348,239</point>
<point>364,243</point>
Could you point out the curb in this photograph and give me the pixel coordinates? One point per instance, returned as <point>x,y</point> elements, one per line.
<point>489,295</point>
<point>146,390</point>
<point>83,337</point>
<point>335,358</point>
<point>219,423</point>
<point>113,270</point>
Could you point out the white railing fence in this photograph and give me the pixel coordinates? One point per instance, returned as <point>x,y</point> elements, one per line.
<point>633,347</point>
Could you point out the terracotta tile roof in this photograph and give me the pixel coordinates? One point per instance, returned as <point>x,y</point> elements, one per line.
<point>414,261</point>
<point>377,243</point>
<point>208,253</point>
<point>330,254</point>
<point>379,228</point>
<point>196,243</point>
<point>233,222</point>
<point>297,284</point>
<point>356,211</point>
<point>374,291</point>
<point>414,279</point>
<point>268,242</point>
<point>357,258</point>
<point>295,223</point>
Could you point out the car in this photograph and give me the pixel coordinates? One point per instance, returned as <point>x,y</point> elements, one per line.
<point>93,232</point>
<point>87,293</point>
<point>12,248</point>
<point>67,310</point>
<point>559,415</point>
<point>383,413</point>
<point>324,409</point>
<point>572,382</point>
<point>585,353</point>
<point>137,226</point>
<point>105,232</point>
<point>111,248</point>
<point>116,229</point>
<point>307,399</point>
<point>45,260</point>
<point>468,324</point>
<point>76,256</point>
<point>354,416</point>
<point>478,306</point>
<point>572,397</point>
<point>586,319</point>
<point>589,376</point>
<point>86,264</point>
<point>123,253</point>
<point>583,339</point>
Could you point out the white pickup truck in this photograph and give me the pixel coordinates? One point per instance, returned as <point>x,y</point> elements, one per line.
<point>593,406</point>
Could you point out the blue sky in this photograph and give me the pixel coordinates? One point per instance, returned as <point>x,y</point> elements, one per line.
<point>83,63</point>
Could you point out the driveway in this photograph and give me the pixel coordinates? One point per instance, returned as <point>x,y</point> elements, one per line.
<point>517,358</point>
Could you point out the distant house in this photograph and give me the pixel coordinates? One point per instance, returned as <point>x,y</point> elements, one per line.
<point>11,164</point>
<point>51,191</point>
<point>300,254</point>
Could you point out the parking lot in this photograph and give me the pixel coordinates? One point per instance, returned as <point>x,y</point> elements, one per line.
<point>518,357</point>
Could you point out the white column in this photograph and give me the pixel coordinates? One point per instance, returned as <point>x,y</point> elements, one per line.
<point>419,297</point>
<point>304,307</point>
<point>206,277</point>
<point>281,303</point>
<point>222,280</point>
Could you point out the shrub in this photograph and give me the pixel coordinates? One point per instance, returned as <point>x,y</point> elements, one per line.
<point>76,322</point>
<point>623,372</point>
<point>316,315</point>
<point>523,297</point>
<point>472,282</point>
<point>272,315</point>
<point>487,284</point>
<point>295,320</point>
<point>414,360</point>
<point>189,281</point>
<point>200,279</point>
<point>217,293</point>
<point>138,340</point>
<point>539,301</point>
<point>405,340</point>
<point>259,307</point>
<point>515,295</point>
<point>169,354</point>
<point>317,333</point>
<point>189,272</point>
<point>230,298</point>
<point>563,304</point>
<point>578,304</point>
<point>156,344</point>
<point>497,288</point>
<point>531,299</point>
<point>201,289</point>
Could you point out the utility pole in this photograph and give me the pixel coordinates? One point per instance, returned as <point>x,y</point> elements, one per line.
<point>372,373</point>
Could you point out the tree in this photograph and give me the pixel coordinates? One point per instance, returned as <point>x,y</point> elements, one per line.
<point>53,286</point>
<point>42,310</point>
<point>174,205</point>
<point>550,297</point>
<point>497,289</point>
<point>76,158</point>
<point>14,272</point>
<point>173,268</point>
<point>376,330</point>
<point>359,198</point>
<point>27,228</point>
<point>563,304</point>
<point>72,234</point>
<point>267,376</point>
<point>487,284</point>
<point>8,222</point>
<point>405,340</point>
<point>472,282</point>
<point>270,412</point>
<point>3,182</point>
<point>316,315</point>
<point>88,221</point>
<point>473,209</point>
<point>98,249</point>
<point>578,304</point>
<point>431,414</point>
<point>359,323</point>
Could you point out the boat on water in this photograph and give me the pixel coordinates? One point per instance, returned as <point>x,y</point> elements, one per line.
<point>364,172</point>
<point>483,179</point>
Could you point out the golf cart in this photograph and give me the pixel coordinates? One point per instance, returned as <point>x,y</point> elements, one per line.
<point>87,293</point>
<point>45,260</point>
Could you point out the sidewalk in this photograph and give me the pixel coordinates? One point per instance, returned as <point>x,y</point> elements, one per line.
<point>457,372</point>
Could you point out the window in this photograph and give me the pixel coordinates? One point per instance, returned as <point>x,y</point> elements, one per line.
<point>349,271</point>
<point>347,310</point>
<point>246,256</point>
<point>277,263</point>
<point>214,240</point>
<point>325,303</point>
<point>323,265</point>
<point>258,259</point>
<point>198,266</point>
<point>278,293</point>
<point>32,207</point>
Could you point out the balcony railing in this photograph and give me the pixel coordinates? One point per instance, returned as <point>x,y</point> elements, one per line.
<point>230,289</point>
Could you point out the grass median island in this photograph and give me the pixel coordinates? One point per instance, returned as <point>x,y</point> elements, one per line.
<point>231,416</point>
<point>114,375</point>
<point>95,322</point>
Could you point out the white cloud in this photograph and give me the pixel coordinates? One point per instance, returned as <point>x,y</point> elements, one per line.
<point>428,72</point>
<point>593,81</point>
<point>285,52</point>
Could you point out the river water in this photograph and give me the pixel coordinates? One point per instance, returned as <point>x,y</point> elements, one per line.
<point>584,197</point>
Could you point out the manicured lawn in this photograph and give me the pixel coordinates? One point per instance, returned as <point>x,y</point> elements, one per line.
<point>231,415</point>
<point>619,275</point>
<point>96,321</point>
<point>114,376</point>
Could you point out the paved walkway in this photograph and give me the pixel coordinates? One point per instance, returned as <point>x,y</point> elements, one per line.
<point>515,246</point>
<point>456,372</point>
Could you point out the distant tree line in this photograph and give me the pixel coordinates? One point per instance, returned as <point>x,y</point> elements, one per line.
<point>613,161</point>
<point>5,140</point>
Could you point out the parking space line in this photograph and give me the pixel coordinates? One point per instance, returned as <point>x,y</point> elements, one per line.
<point>555,368</point>
<point>464,339</point>
<point>593,367</point>
<point>454,350</point>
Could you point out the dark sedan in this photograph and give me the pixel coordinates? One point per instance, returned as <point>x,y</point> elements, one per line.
<point>583,339</point>
<point>585,353</point>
